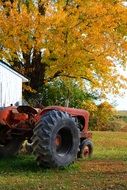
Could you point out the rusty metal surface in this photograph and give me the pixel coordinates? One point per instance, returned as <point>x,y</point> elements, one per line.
<point>23,118</point>
<point>5,114</point>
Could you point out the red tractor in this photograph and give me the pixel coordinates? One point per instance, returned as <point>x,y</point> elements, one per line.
<point>58,135</point>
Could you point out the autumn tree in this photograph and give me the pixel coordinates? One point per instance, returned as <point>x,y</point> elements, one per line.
<point>105,117</point>
<point>81,39</point>
<point>102,116</point>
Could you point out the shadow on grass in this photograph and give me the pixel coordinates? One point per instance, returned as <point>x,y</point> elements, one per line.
<point>27,163</point>
<point>19,163</point>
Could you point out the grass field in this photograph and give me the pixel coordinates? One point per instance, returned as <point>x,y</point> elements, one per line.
<point>106,170</point>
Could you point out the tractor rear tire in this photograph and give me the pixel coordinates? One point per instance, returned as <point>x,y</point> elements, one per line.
<point>11,148</point>
<point>56,140</point>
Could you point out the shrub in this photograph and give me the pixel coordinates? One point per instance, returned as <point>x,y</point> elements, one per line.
<point>102,116</point>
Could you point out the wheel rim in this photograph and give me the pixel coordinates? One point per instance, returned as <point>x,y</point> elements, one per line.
<point>86,151</point>
<point>63,142</point>
<point>58,140</point>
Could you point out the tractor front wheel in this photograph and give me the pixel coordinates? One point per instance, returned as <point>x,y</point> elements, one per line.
<point>56,139</point>
<point>86,149</point>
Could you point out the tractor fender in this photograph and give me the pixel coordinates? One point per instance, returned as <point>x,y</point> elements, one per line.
<point>72,111</point>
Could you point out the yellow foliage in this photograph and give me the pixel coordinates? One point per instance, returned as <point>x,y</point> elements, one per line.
<point>77,38</point>
<point>101,116</point>
<point>28,88</point>
<point>89,106</point>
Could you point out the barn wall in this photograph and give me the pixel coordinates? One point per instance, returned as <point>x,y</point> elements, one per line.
<point>10,88</point>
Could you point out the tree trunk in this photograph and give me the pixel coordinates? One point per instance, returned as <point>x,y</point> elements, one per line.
<point>35,70</point>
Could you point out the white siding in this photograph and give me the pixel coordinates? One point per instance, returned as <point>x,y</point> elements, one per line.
<point>10,88</point>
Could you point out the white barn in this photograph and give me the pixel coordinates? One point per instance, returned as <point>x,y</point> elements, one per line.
<point>10,85</point>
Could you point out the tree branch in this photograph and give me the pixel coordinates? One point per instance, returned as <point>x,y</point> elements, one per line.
<point>59,74</point>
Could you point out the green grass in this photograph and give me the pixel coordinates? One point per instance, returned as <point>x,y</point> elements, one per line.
<point>106,170</point>
<point>110,145</point>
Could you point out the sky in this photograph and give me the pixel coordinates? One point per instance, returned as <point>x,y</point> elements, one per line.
<point>121,103</point>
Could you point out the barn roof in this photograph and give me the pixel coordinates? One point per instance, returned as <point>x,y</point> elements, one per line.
<point>8,67</point>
